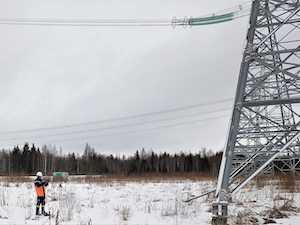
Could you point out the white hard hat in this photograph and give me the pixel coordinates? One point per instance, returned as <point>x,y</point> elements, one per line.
<point>39,174</point>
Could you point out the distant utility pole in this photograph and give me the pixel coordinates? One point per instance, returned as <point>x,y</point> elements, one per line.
<point>264,133</point>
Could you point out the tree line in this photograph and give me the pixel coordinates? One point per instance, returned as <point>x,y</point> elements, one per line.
<point>27,160</point>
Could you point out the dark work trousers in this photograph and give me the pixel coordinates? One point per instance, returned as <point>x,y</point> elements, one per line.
<point>40,201</point>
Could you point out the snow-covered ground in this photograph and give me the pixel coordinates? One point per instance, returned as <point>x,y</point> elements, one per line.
<point>139,203</point>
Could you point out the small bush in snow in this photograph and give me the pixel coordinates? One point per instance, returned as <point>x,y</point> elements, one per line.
<point>245,217</point>
<point>148,207</point>
<point>3,203</point>
<point>289,205</point>
<point>124,212</point>
<point>169,209</point>
<point>91,203</point>
<point>57,221</point>
<point>67,206</point>
<point>86,222</point>
<point>274,213</point>
<point>3,197</point>
<point>27,205</point>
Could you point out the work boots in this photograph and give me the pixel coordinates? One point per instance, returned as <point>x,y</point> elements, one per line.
<point>44,213</point>
<point>37,211</point>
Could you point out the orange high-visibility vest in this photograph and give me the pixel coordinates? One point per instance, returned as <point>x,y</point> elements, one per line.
<point>40,191</point>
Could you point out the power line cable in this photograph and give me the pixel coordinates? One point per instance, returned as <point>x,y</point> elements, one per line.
<point>119,126</point>
<point>122,118</point>
<point>213,18</point>
<point>122,133</point>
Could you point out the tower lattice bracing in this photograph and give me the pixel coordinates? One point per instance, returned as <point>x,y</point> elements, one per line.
<point>265,123</point>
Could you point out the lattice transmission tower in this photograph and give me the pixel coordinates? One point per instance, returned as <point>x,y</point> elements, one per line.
<point>265,124</point>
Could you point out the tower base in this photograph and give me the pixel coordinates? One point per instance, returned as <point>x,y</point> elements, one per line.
<point>219,220</point>
<point>220,213</point>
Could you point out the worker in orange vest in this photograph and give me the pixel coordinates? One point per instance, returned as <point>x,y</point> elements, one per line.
<point>40,185</point>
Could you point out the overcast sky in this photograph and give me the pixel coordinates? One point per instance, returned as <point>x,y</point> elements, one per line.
<point>53,76</point>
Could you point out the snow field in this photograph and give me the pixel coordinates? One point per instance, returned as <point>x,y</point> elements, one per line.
<point>127,203</point>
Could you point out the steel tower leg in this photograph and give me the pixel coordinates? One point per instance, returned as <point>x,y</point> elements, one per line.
<point>265,124</point>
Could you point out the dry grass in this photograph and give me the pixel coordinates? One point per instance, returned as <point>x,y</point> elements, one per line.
<point>282,208</point>
<point>275,213</point>
<point>245,217</point>
<point>289,206</point>
<point>288,183</point>
<point>16,179</point>
<point>124,212</point>
<point>149,177</point>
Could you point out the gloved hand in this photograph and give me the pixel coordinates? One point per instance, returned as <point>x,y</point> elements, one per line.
<point>46,183</point>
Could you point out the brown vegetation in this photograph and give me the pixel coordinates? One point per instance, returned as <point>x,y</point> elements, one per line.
<point>146,177</point>
<point>287,182</point>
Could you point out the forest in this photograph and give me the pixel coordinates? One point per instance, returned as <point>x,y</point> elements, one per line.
<point>28,159</point>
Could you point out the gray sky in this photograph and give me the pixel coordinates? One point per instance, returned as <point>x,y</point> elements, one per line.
<point>52,76</point>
